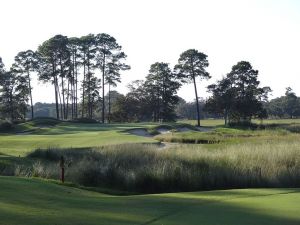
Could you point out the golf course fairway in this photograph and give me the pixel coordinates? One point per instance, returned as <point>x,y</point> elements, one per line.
<point>34,201</point>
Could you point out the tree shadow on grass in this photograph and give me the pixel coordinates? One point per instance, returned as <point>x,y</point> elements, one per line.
<point>226,212</point>
<point>45,203</point>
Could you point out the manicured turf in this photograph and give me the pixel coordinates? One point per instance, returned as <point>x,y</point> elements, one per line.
<point>33,201</point>
<point>45,133</point>
<point>69,135</point>
<point>30,201</point>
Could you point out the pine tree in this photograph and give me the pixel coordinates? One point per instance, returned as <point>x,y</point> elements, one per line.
<point>193,64</point>
<point>163,85</point>
<point>108,51</point>
<point>88,51</point>
<point>25,63</point>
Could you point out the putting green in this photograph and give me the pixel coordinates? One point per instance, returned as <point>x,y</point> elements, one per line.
<point>32,201</point>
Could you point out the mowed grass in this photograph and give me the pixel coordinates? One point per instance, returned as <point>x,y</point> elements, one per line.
<point>273,154</point>
<point>69,135</point>
<point>32,201</point>
<point>32,135</point>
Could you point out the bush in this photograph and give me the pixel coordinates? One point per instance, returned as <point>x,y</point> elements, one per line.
<point>6,126</point>
<point>84,120</point>
<point>45,121</point>
<point>244,125</point>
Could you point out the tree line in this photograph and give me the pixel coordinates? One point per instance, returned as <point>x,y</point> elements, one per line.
<point>60,61</point>
<point>287,106</point>
<point>82,69</point>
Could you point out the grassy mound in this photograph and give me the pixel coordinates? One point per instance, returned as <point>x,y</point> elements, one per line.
<point>45,121</point>
<point>35,124</point>
<point>32,201</point>
<point>66,135</point>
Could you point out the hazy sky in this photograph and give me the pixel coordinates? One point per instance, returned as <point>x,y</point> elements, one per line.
<point>264,32</point>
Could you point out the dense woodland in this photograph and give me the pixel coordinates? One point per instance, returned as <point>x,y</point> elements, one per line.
<point>83,71</point>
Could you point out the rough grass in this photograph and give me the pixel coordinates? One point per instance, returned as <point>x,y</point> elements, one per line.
<point>226,135</point>
<point>220,122</point>
<point>191,137</point>
<point>234,159</point>
<point>32,201</point>
<point>144,168</point>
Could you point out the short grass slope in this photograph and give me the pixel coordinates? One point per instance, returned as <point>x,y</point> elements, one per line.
<point>33,201</point>
<point>33,135</point>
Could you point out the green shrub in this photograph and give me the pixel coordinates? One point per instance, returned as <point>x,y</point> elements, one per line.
<point>45,121</point>
<point>84,120</point>
<point>6,126</point>
<point>244,125</point>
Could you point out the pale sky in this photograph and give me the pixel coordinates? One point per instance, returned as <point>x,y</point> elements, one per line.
<point>264,32</point>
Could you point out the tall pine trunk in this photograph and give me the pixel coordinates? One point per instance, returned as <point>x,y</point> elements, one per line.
<point>62,89</point>
<point>197,102</point>
<point>83,87</point>
<point>68,96</point>
<point>63,98</point>
<point>89,90</point>
<point>72,99</point>
<point>109,105</point>
<point>76,90</point>
<point>60,103</point>
<point>11,105</point>
<point>56,97</point>
<point>164,100</point>
<point>72,77</point>
<point>30,93</point>
<point>103,81</point>
<point>226,116</point>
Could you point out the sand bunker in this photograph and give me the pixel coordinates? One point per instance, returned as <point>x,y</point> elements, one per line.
<point>163,131</point>
<point>140,132</point>
<point>144,133</point>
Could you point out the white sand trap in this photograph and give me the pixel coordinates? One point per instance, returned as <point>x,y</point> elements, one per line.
<point>163,131</point>
<point>183,129</point>
<point>140,132</point>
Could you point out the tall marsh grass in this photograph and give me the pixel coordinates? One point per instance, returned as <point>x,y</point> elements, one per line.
<point>149,169</point>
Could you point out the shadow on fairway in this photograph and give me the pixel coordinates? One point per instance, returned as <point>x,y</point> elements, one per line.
<point>27,201</point>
